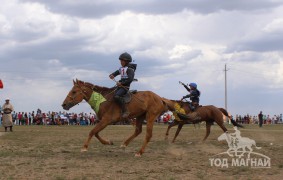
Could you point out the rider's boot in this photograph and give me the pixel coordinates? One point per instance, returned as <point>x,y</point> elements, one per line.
<point>194,114</point>
<point>121,102</point>
<point>125,111</point>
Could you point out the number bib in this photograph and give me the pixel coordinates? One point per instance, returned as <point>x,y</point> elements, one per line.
<point>123,72</point>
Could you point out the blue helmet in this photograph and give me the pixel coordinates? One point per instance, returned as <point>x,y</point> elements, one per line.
<point>193,85</point>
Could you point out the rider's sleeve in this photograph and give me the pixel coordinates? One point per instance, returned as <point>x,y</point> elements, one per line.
<point>187,88</point>
<point>194,93</point>
<point>131,75</point>
<point>187,96</point>
<point>116,73</point>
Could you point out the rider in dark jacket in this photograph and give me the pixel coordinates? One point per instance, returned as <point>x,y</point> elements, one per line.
<point>127,76</point>
<point>194,95</point>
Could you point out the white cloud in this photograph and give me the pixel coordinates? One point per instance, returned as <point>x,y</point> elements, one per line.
<point>178,51</point>
<point>275,26</point>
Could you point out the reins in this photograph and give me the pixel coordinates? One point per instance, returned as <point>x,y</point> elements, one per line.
<point>93,88</point>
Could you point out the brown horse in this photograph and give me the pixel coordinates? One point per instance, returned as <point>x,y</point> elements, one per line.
<point>144,105</point>
<point>209,114</point>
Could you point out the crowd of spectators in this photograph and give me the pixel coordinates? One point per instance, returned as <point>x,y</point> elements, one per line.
<point>52,118</point>
<point>64,118</point>
<point>253,119</point>
<point>56,118</point>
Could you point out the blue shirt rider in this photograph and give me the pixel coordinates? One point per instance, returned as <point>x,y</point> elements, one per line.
<point>194,95</point>
<point>127,76</point>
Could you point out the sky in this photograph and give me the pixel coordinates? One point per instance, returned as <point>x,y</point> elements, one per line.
<point>45,44</point>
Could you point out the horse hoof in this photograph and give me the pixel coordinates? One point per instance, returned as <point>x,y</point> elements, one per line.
<point>138,155</point>
<point>123,146</point>
<point>83,150</point>
<point>110,142</point>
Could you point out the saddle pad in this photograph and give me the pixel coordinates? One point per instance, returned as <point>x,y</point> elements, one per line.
<point>127,97</point>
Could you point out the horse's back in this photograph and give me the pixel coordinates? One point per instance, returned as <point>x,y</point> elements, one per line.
<point>147,94</point>
<point>208,108</point>
<point>210,111</point>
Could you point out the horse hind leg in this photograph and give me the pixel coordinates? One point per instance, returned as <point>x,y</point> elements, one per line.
<point>220,123</point>
<point>208,126</point>
<point>138,130</point>
<point>168,129</point>
<point>177,132</point>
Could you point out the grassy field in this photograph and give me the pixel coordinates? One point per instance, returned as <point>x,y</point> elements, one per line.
<point>53,152</point>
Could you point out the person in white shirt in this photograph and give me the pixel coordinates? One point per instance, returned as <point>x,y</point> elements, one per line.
<point>7,116</point>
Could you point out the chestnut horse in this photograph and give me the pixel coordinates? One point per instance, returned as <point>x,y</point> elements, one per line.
<point>209,114</point>
<point>144,105</point>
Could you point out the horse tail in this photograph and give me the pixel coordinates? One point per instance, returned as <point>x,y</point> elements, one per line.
<point>236,124</point>
<point>224,111</point>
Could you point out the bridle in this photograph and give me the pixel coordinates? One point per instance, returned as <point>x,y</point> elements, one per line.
<point>81,92</point>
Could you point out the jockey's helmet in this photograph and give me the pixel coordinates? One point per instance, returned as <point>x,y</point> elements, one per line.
<point>126,57</point>
<point>194,85</point>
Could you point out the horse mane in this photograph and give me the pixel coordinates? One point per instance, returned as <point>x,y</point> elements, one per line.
<point>94,87</point>
<point>171,103</point>
<point>102,88</point>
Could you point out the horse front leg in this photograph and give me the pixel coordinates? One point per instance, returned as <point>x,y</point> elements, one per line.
<point>138,130</point>
<point>99,127</point>
<point>168,129</point>
<point>208,126</point>
<point>177,132</point>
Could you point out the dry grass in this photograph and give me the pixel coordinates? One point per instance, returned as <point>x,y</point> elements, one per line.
<point>53,152</point>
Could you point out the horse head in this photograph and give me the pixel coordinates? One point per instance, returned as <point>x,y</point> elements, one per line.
<point>80,91</point>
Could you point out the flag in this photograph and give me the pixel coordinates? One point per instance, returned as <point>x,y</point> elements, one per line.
<point>1,84</point>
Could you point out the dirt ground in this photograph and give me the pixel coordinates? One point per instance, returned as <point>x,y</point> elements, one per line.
<point>53,152</point>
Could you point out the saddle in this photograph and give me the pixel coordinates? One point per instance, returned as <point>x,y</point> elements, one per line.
<point>128,97</point>
<point>194,109</point>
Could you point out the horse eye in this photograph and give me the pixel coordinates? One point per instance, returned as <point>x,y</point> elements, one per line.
<point>73,92</point>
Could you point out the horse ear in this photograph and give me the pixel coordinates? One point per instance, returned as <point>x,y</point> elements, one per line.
<point>74,82</point>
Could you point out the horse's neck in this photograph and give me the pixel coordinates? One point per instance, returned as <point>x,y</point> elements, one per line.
<point>185,106</point>
<point>103,90</point>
